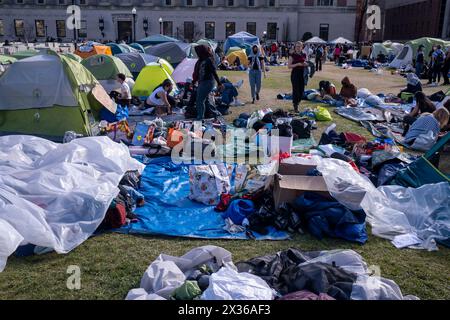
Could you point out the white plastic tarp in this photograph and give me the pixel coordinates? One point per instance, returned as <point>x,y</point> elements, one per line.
<point>36,82</point>
<point>56,195</point>
<point>392,210</point>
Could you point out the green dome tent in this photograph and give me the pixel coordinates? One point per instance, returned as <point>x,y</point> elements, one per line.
<point>24,54</point>
<point>409,51</point>
<point>105,69</point>
<point>73,56</point>
<point>150,77</point>
<point>7,59</point>
<point>49,94</point>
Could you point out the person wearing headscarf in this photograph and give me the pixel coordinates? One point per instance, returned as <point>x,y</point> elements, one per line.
<point>413,84</point>
<point>256,68</point>
<point>348,90</point>
<point>297,63</point>
<point>204,75</point>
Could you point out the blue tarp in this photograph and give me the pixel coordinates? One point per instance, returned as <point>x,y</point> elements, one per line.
<point>242,40</point>
<point>169,211</point>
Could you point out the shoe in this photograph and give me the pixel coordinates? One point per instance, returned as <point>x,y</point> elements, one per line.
<point>434,84</point>
<point>257,96</point>
<point>253,101</point>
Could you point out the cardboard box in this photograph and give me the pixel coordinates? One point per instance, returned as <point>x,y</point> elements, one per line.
<point>292,181</point>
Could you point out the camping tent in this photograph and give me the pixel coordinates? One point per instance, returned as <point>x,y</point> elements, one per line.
<point>409,52</point>
<point>73,56</point>
<point>105,69</point>
<point>156,39</point>
<point>50,94</point>
<point>135,61</point>
<point>242,39</point>
<point>231,57</point>
<point>316,40</point>
<point>24,54</point>
<point>387,48</point>
<point>152,75</point>
<point>92,49</point>
<point>138,47</point>
<point>120,48</point>
<point>212,44</point>
<point>173,52</point>
<point>184,70</point>
<point>166,65</point>
<point>341,40</point>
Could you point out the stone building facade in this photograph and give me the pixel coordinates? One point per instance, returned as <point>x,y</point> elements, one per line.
<point>102,20</point>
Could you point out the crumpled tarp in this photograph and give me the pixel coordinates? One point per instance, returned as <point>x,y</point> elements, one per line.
<point>360,114</point>
<point>264,277</point>
<point>56,195</point>
<point>169,211</point>
<point>392,210</point>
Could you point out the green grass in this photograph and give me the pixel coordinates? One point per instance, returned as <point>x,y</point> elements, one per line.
<point>112,264</point>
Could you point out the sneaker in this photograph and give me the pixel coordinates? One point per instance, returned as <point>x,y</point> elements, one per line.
<point>434,84</point>
<point>253,101</point>
<point>257,96</point>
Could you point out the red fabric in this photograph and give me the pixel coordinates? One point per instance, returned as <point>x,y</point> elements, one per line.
<point>225,200</point>
<point>354,138</point>
<point>115,217</point>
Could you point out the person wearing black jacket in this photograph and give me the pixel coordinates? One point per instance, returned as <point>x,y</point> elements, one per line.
<point>204,74</point>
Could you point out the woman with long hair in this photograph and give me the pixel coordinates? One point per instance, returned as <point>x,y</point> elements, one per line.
<point>297,63</point>
<point>204,75</point>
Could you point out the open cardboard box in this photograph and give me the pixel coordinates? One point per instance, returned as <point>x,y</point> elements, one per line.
<point>292,181</point>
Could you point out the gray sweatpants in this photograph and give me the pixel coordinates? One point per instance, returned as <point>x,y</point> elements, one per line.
<point>254,78</point>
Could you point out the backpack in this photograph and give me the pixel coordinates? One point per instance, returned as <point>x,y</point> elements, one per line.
<point>440,57</point>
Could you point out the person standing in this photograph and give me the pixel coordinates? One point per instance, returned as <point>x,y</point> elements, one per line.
<point>420,60</point>
<point>446,67</point>
<point>430,65</point>
<point>204,75</point>
<point>438,61</point>
<point>256,68</point>
<point>297,63</point>
<point>319,55</point>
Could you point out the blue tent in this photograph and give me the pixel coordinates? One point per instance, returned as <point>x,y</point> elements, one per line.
<point>138,47</point>
<point>156,39</point>
<point>120,48</point>
<point>242,39</point>
<point>136,61</point>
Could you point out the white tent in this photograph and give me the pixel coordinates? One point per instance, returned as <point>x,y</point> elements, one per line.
<point>184,70</point>
<point>341,40</point>
<point>316,40</point>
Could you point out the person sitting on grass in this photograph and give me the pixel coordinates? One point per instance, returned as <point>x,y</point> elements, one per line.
<point>348,92</point>
<point>423,105</point>
<point>428,122</point>
<point>413,84</point>
<point>160,98</point>
<point>125,92</point>
<point>224,64</point>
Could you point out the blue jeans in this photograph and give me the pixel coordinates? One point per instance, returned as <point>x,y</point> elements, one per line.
<point>254,77</point>
<point>203,90</point>
<point>419,69</point>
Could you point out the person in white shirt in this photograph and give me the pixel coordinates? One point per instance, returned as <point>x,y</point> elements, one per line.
<point>160,98</point>
<point>125,92</point>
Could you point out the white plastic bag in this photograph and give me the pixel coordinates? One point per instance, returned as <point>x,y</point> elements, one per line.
<point>10,239</point>
<point>228,284</point>
<point>208,182</point>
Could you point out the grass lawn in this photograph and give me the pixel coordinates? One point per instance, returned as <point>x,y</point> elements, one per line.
<point>112,264</point>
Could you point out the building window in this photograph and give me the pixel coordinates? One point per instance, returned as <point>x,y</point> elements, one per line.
<point>83,2</point>
<point>189,30</point>
<point>40,1</point>
<point>230,29</point>
<point>168,2</point>
<point>272,30</point>
<point>251,3</point>
<point>324,30</point>
<point>189,2</point>
<point>82,32</point>
<point>19,27</point>
<point>2,29</point>
<point>168,28</point>
<point>61,28</point>
<point>61,2</point>
<point>40,28</point>
<point>230,3</point>
<point>251,28</point>
<point>271,3</point>
<point>210,30</point>
<point>19,1</point>
<point>325,3</point>
<point>210,3</point>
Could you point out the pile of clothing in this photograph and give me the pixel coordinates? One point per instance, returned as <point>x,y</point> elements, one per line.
<point>208,273</point>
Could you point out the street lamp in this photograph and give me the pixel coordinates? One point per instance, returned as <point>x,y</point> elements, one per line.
<point>265,36</point>
<point>101,26</point>
<point>160,25</point>
<point>134,12</point>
